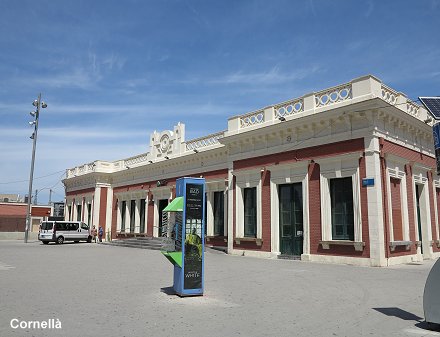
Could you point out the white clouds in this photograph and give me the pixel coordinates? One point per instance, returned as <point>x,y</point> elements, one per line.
<point>76,77</point>
<point>370,9</point>
<point>79,133</point>
<point>86,72</point>
<point>109,82</point>
<point>56,155</point>
<point>272,76</point>
<point>113,61</point>
<point>358,45</point>
<point>159,111</point>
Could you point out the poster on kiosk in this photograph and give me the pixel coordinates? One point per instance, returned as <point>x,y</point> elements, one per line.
<point>188,256</point>
<point>193,249</point>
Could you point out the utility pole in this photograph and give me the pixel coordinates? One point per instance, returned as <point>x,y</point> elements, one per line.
<point>36,114</point>
<point>50,197</point>
<point>36,198</point>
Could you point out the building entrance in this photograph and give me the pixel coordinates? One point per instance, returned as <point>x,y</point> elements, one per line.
<point>291,219</point>
<point>419,218</point>
<point>162,204</point>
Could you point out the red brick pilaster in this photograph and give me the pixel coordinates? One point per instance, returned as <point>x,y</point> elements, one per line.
<point>410,198</point>
<point>266,211</point>
<point>364,208</point>
<point>103,208</point>
<point>314,206</point>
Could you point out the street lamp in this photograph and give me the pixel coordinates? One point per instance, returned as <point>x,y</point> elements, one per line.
<point>38,104</point>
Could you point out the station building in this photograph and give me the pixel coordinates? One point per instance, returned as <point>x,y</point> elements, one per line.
<point>342,175</point>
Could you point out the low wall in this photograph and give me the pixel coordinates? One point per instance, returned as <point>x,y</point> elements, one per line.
<point>17,236</point>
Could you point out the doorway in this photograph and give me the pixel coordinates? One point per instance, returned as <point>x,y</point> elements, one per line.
<point>291,219</point>
<point>162,204</point>
<point>419,217</point>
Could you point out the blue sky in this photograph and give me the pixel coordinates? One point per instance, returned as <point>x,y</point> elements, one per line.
<point>111,72</point>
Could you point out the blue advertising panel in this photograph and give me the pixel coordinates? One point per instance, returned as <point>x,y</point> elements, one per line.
<point>189,275</point>
<point>193,248</point>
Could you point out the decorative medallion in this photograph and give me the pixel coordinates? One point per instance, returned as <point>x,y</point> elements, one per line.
<point>164,143</point>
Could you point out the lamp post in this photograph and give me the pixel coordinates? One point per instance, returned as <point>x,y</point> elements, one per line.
<point>38,104</point>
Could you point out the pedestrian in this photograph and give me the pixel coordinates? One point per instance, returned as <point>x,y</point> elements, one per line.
<point>100,233</point>
<point>94,233</point>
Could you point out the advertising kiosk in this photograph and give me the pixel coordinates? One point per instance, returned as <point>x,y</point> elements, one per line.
<point>183,228</point>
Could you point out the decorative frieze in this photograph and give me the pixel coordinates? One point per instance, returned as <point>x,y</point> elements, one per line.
<point>389,95</point>
<point>136,159</point>
<point>204,141</point>
<point>333,95</point>
<point>252,118</point>
<point>289,108</point>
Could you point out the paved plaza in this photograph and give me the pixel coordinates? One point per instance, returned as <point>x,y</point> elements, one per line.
<point>98,290</point>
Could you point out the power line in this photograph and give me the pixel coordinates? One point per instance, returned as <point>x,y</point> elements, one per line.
<point>53,186</point>
<point>27,180</point>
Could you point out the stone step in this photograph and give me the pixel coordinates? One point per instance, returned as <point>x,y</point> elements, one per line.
<point>289,257</point>
<point>128,245</point>
<point>139,242</point>
<point>218,248</point>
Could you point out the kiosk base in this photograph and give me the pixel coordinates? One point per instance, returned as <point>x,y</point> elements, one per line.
<point>431,296</point>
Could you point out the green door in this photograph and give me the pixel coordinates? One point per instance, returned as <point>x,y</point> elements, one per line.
<point>291,219</point>
<point>419,219</point>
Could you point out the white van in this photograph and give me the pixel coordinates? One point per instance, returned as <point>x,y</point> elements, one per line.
<point>60,231</point>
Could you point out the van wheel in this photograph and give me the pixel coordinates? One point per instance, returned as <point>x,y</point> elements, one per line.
<point>45,242</point>
<point>89,239</point>
<point>76,241</point>
<point>60,240</point>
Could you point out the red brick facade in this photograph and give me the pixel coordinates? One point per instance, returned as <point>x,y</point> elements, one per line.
<point>315,207</point>
<point>307,140</point>
<point>412,157</point>
<point>13,216</point>
<point>102,208</point>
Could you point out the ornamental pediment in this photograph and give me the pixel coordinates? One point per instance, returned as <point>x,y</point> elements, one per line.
<point>167,142</point>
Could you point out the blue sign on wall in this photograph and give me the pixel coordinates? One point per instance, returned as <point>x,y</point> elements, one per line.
<point>368,182</point>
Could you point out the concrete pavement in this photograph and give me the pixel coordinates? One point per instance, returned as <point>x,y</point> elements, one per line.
<point>97,290</point>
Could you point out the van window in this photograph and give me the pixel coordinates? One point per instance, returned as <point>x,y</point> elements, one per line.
<point>60,226</point>
<point>85,226</point>
<point>46,226</point>
<point>72,226</point>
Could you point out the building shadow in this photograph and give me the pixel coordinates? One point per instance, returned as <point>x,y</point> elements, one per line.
<point>168,290</point>
<point>408,316</point>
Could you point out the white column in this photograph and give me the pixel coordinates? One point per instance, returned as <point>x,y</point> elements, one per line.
<point>274,215</point>
<point>210,214</point>
<point>230,209</point>
<point>156,218</point>
<point>225,212</point>
<point>96,206</point>
<point>74,210</point>
<point>427,248</point>
<point>146,213</point>
<point>137,222</point>
<point>127,216</point>
<point>306,217</point>
<point>109,211</point>
<point>375,202</point>
<point>118,217</point>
